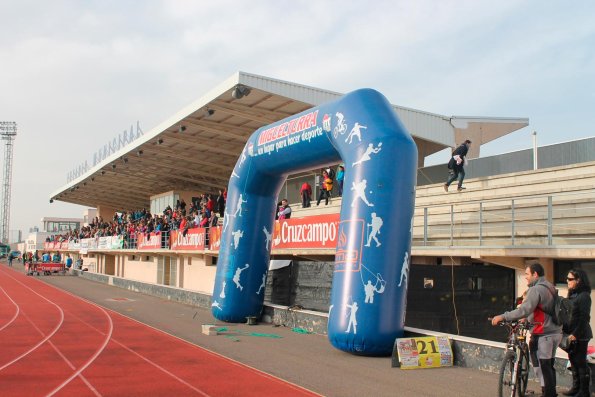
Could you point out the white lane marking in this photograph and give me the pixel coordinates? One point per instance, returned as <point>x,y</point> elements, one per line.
<point>54,331</point>
<point>132,351</point>
<point>44,339</point>
<point>15,315</point>
<point>64,358</point>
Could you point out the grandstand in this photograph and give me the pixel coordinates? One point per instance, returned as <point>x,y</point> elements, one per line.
<point>469,249</point>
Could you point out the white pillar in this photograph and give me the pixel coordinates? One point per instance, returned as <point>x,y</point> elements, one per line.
<point>535,164</point>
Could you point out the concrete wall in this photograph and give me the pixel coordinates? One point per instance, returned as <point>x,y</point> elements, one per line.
<point>198,273</point>
<point>141,270</point>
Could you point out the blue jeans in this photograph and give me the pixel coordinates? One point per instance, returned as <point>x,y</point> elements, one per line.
<point>458,172</point>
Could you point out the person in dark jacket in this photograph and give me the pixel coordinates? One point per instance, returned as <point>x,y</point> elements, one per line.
<point>457,165</point>
<point>579,332</point>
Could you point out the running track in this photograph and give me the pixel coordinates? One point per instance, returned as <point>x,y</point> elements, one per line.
<point>53,343</point>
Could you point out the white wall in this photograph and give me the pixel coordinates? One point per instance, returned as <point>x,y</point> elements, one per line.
<point>145,271</point>
<point>198,276</point>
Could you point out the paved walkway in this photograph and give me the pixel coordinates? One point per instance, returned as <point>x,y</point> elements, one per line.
<point>304,359</point>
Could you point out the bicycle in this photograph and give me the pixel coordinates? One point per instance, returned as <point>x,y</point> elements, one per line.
<point>514,370</point>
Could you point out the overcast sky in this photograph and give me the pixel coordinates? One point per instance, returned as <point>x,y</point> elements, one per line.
<point>75,74</point>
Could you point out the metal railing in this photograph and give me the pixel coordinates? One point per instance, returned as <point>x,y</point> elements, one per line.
<point>540,220</point>
<point>564,219</point>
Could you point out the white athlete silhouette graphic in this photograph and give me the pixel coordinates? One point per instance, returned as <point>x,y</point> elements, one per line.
<point>239,207</point>
<point>369,150</point>
<point>341,127</point>
<point>411,228</point>
<point>264,280</point>
<point>369,289</point>
<point>243,158</point>
<point>376,224</point>
<point>405,268</point>
<point>268,236</point>
<point>236,276</point>
<point>225,220</point>
<point>234,175</point>
<point>237,235</point>
<point>352,318</point>
<point>222,294</point>
<point>355,132</point>
<point>216,304</point>
<point>360,192</point>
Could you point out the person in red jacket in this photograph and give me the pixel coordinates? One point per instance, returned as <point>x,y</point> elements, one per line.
<point>306,192</point>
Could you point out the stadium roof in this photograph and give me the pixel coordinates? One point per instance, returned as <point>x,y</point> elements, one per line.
<point>197,148</point>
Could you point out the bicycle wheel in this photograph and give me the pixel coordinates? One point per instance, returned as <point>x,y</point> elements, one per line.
<point>506,384</point>
<point>523,372</point>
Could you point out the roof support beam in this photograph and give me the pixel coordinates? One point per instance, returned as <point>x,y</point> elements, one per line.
<point>250,113</point>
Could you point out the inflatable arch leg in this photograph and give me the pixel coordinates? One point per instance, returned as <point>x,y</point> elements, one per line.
<point>367,308</point>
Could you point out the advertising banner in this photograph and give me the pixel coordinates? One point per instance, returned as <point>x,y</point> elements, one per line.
<point>152,241</point>
<point>215,238</point>
<point>193,240</point>
<point>319,231</point>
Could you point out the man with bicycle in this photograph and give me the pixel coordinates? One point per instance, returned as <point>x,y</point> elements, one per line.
<point>545,335</point>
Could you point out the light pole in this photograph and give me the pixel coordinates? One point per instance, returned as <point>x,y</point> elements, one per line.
<point>8,131</point>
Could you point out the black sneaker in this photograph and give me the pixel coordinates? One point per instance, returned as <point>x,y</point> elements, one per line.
<point>461,188</point>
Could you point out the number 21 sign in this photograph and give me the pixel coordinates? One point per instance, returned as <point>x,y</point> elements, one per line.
<point>422,352</point>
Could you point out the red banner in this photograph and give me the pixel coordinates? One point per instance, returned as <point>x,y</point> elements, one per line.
<point>215,238</point>
<point>153,241</point>
<point>319,231</point>
<point>194,239</point>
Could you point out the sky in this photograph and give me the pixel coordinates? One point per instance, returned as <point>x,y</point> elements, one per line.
<point>75,74</point>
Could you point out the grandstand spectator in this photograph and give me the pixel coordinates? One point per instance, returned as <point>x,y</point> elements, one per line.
<point>284,210</point>
<point>205,210</point>
<point>183,226</point>
<point>325,192</point>
<point>210,203</point>
<point>221,203</point>
<point>204,221</point>
<point>214,220</point>
<point>340,177</point>
<point>306,193</point>
<point>197,219</point>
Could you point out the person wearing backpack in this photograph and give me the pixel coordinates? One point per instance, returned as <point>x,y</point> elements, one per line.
<point>545,334</point>
<point>579,332</point>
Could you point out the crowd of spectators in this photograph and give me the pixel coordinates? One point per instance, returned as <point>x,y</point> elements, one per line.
<point>205,212</point>
<point>200,213</point>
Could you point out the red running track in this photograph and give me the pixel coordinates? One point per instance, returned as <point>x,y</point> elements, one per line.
<point>53,343</point>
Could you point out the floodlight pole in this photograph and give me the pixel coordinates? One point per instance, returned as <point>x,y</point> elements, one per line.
<point>8,131</point>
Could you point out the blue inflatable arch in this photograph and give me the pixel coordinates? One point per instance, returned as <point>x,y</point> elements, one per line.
<point>369,290</point>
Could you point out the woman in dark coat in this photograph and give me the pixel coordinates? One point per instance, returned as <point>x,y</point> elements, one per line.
<point>579,331</point>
